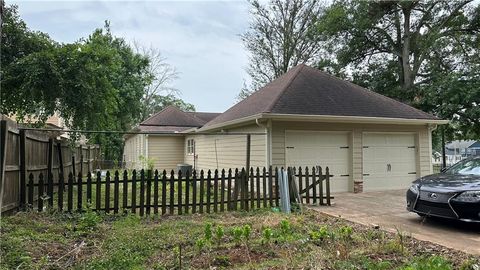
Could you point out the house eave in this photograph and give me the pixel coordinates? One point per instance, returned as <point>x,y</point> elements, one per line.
<point>319,118</point>
<point>228,124</point>
<point>352,119</point>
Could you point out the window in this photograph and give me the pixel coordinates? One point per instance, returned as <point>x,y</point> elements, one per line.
<point>191,146</point>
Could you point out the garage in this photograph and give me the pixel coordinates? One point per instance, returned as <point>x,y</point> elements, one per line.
<point>316,148</point>
<point>389,161</point>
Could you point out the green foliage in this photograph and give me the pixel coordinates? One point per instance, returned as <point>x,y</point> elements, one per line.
<point>424,53</point>
<point>247,230</point>
<point>88,221</point>
<point>430,263</point>
<point>219,233</point>
<point>285,227</point>
<point>237,233</point>
<point>267,235</point>
<point>322,234</point>
<point>345,232</point>
<point>147,163</point>
<point>95,83</point>
<point>207,231</point>
<point>200,244</point>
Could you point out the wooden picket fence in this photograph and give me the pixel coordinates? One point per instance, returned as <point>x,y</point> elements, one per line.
<point>146,192</point>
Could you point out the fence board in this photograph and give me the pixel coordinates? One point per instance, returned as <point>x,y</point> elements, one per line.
<point>176,191</point>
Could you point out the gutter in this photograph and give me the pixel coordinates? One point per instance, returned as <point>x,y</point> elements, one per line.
<point>354,119</point>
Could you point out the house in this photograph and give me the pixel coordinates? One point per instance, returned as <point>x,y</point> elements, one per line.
<point>304,118</point>
<point>162,140</point>
<point>473,149</point>
<point>457,150</point>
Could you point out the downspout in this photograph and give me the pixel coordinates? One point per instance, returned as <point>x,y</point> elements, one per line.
<point>146,146</point>
<point>268,144</point>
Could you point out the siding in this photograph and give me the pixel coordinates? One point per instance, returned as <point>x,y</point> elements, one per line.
<point>134,148</point>
<point>166,151</point>
<point>227,151</point>
<point>422,138</point>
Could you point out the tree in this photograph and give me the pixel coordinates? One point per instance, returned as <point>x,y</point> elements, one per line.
<point>425,53</point>
<point>159,92</point>
<point>95,83</point>
<point>281,35</point>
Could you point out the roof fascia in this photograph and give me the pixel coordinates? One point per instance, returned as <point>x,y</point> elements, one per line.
<point>352,119</point>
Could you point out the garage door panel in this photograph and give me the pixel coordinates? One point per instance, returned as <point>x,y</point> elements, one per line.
<point>321,149</point>
<point>388,161</point>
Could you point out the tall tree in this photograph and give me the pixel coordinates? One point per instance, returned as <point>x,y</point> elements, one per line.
<point>425,53</point>
<point>281,35</point>
<point>95,83</point>
<point>159,93</point>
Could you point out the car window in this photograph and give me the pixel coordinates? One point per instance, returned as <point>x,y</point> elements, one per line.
<point>465,167</point>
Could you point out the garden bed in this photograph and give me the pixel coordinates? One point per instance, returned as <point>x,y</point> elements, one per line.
<point>261,239</point>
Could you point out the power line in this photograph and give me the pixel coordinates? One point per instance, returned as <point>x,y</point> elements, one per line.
<point>137,132</point>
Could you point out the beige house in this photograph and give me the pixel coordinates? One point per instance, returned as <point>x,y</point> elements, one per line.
<point>304,118</point>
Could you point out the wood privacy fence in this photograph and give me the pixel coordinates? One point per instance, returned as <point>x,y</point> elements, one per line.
<point>147,192</point>
<point>34,153</point>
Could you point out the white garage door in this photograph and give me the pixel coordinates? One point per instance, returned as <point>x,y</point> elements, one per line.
<point>313,148</point>
<point>388,161</point>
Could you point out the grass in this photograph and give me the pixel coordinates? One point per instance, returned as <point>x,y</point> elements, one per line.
<point>262,239</point>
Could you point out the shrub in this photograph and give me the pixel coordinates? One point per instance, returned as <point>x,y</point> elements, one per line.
<point>346,232</point>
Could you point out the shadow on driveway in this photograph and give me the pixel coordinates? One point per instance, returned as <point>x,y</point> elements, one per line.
<point>387,209</point>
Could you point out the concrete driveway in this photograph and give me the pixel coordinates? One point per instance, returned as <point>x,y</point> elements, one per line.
<point>387,209</point>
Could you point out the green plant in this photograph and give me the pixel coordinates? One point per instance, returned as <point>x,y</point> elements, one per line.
<point>208,232</point>
<point>88,221</point>
<point>200,244</point>
<point>267,235</point>
<point>147,163</point>
<point>346,232</point>
<point>320,235</point>
<point>177,252</point>
<point>237,233</point>
<point>247,230</point>
<point>470,264</point>
<point>285,227</point>
<point>429,263</point>
<point>219,233</point>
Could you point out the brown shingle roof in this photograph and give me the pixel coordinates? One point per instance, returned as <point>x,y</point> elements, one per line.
<point>309,91</point>
<point>171,119</point>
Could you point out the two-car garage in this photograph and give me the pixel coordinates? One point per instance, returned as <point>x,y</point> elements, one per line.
<point>388,160</point>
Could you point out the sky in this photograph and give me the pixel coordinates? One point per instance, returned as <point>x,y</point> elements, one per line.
<point>199,38</point>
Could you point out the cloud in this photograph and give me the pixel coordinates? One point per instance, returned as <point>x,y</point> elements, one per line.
<point>200,38</point>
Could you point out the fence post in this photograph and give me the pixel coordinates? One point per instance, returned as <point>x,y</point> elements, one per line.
<point>327,185</point>
<point>50,172</point>
<point>60,158</point>
<point>73,165</point>
<point>81,161</point>
<point>3,154</point>
<point>23,166</point>
<point>40,192</point>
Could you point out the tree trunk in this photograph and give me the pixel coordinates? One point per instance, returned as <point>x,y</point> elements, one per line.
<point>407,71</point>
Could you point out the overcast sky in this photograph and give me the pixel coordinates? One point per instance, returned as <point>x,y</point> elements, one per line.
<point>200,38</point>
